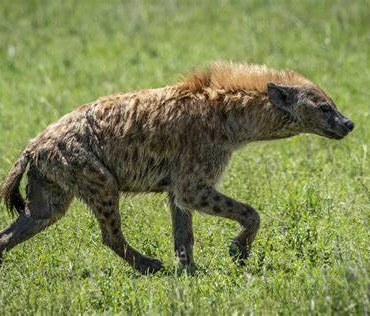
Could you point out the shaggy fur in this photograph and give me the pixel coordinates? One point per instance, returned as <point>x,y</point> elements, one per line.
<point>177,139</point>
<point>233,77</point>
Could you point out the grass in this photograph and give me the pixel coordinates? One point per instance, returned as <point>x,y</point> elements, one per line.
<point>312,254</point>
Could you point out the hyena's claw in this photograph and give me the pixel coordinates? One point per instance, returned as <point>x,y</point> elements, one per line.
<point>238,253</point>
<point>147,265</point>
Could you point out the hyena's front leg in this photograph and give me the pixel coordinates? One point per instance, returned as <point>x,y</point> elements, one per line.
<point>183,236</point>
<point>208,200</point>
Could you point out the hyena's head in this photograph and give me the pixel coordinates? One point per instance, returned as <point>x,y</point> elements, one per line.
<point>311,110</point>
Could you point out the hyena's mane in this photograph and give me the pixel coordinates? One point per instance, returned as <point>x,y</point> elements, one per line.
<point>231,77</point>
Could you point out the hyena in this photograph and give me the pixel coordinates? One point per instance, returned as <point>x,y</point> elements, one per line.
<point>177,139</point>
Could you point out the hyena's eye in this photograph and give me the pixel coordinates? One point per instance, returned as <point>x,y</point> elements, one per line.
<point>325,107</point>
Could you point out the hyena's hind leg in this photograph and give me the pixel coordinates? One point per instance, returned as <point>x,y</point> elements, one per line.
<point>182,230</point>
<point>46,202</point>
<point>101,194</point>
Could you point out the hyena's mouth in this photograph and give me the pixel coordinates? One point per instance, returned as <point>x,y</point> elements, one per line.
<point>335,135</point>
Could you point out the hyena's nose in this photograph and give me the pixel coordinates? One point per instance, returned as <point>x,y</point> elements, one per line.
<point>349,124</point>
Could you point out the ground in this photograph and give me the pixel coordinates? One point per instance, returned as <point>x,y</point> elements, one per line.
<point>312,254</point>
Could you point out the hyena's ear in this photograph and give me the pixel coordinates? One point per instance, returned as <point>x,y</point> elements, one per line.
<point>284,97</point>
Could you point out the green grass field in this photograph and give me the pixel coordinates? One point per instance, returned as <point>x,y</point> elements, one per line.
<point>312,254</point>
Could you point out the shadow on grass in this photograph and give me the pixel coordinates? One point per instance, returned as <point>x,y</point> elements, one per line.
<point>173,271</point>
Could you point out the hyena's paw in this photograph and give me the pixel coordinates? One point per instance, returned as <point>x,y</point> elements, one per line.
<point>185,258</point>
<point>238,252</point>
<point>147,265</point>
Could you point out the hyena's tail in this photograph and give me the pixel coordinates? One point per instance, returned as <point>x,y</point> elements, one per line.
<point>10,188</point>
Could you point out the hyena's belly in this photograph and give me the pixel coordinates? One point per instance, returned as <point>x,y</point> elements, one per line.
<point>146,175</point>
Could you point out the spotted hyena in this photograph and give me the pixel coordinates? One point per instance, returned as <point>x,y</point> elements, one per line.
<point>177,139</point>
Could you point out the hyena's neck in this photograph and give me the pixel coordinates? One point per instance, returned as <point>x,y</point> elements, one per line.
<point>253,118</point>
